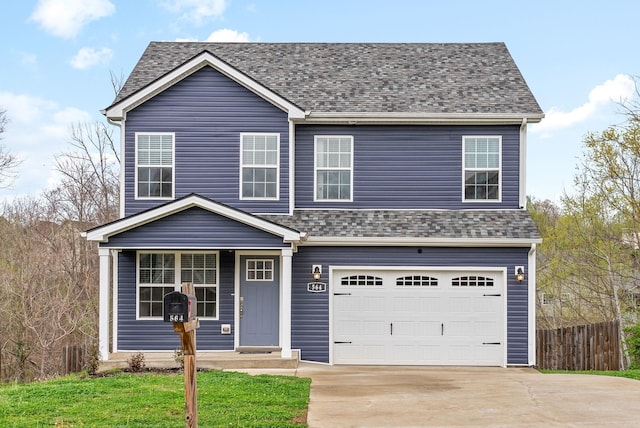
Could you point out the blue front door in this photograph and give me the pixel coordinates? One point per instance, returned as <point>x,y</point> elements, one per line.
<point>259,301</point>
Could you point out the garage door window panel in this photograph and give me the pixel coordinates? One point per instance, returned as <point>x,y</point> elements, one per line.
<point>416,281</point>
<point>472,281</point>
<point>361,281</point>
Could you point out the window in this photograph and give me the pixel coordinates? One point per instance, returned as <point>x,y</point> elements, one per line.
<point>201,270</point>
<point>156,277</point>
<point>333,168</point>
<point>472,281</point>
<point>154,165</point>
<point>162,273</point>
<point>417,281</point>
<point>259,270</point>
<point>259,160</point>
<point>548,299</point>
<point>481,168</point>
<point>361,281</point>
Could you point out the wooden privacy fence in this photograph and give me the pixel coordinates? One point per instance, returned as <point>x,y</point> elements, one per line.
<point>582,347</point>
<point>73,358</point>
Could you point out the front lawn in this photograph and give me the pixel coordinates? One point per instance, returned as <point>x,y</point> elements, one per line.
<point>631,374</point>
<point>156,400</point>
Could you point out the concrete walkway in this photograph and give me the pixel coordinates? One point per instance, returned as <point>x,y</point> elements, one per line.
<point>362,396</point>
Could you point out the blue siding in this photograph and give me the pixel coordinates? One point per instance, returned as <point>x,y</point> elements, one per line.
<point>195,228</point>
<point>207,111</point>
<point>310,311</point>
<point>407,167</point>
<point>152,335</point>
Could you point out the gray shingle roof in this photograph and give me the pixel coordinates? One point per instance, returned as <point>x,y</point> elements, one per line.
<point>428,224</point>
<point>439,78</point>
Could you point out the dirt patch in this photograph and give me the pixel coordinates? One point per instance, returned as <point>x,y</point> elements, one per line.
<point>116,372</point>
<point>301,419</point>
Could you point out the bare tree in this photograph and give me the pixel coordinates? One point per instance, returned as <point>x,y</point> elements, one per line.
<point>8,161</point>
<point>89,191</point>
<point>117,81</point>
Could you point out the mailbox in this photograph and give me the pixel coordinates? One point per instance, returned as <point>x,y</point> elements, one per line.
<point>179,307</point>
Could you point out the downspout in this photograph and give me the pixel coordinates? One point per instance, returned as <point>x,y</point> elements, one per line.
<point>120,125</point>
<point>292,166</point>
<point>531,298</point>
<point>523,164</point>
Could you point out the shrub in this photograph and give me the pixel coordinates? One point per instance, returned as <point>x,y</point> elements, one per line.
<point>633,343</point>
<point>93,360</point>
<point>136,362</point>
<point>178,356</point>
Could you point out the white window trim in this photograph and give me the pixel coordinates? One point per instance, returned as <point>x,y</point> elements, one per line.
<point>315,168</point>
<point>173,167</point>
<point>277,197</point>
<point>177,280</point>
<point>464,170</point>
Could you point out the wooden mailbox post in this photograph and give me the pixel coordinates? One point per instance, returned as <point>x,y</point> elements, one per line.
<point>180,308</point>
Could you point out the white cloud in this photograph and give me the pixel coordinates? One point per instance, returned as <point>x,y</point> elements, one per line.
<point>38,129</point>
<point>196,11</point>
<point>88,57</point>
<point>65,18</point>
<point>227,35</point>
<point>616,90</point>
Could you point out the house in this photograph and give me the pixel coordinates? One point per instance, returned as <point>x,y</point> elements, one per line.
<point>393,172</point>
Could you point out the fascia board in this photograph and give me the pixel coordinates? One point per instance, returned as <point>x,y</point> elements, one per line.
<point>118,110</point>
<point>102,234</point>
<point>353,118</point>
<point>426,242</point>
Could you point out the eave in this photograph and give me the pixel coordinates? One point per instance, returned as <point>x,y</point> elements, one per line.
<point>420,242</point>
<point>391,118</point>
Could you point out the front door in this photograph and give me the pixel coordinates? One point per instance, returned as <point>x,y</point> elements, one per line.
<point>259,301</point>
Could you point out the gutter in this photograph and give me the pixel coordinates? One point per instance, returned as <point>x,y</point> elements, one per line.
<point>358,118</point>
<point>422,242</point>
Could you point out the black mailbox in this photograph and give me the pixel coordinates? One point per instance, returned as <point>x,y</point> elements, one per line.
<point>179,307</point>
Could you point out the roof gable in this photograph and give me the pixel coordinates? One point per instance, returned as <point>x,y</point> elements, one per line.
<point>360,80</point>
<point>102,233</point>
<point>118,110</point>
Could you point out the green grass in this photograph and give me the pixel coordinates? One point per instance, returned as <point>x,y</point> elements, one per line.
<point>225,399</point>
<point>631,374</point>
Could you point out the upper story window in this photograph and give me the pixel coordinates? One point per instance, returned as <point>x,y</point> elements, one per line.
<point>154,165</point>
<point>333,165</point>
<point>259,159</point>
<point>481,168</point>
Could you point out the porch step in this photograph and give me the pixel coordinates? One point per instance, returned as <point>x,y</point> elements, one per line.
<point>208,360</point>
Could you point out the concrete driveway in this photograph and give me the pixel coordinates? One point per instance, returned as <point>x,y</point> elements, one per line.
<point>373,396</point>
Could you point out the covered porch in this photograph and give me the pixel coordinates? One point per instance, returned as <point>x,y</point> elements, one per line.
<point>241,268</point>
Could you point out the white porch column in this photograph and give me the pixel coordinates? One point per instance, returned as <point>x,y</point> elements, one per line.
<point>285,304</point>
<point>103,324</point>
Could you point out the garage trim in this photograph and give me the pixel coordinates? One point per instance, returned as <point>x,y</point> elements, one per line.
<point>502,271</point>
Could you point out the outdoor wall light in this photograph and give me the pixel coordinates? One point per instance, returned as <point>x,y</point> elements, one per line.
<point>316,271</point>
<point>520,273</point>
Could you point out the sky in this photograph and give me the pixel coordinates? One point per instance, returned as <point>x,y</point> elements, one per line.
<point>578,57</point>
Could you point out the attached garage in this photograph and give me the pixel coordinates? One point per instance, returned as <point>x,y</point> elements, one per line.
<point>410,316</point>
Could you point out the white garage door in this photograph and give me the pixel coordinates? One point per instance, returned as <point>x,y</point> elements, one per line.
<point>410,317</point>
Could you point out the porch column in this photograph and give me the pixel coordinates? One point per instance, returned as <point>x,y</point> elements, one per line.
<point>285,304</point>
<point>103,323</point>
